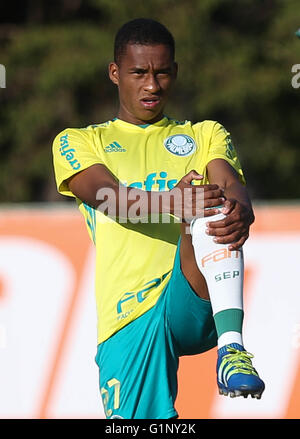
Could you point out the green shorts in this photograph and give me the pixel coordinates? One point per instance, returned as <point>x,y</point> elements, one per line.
<point>138,365</point>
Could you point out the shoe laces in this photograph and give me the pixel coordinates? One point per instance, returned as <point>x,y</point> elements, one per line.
<point>239,361</point>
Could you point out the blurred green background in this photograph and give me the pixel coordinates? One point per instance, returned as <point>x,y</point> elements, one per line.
<point>235,60</point>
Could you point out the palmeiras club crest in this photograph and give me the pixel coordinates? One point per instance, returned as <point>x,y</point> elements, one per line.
<point>180,145</point>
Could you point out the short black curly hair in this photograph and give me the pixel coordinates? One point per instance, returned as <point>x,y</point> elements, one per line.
<point>142,31</point>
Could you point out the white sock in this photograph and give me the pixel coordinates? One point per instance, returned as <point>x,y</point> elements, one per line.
<point>223,271</point>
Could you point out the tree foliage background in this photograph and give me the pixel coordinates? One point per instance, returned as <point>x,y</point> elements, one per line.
<point>235,60</point>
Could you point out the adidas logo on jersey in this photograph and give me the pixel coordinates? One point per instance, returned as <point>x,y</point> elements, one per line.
<point>114,147</point>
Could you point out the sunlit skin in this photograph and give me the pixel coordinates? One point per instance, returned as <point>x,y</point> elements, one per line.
<point>144,76</point>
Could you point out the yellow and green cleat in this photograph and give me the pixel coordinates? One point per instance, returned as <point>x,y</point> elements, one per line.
<point>236,375</point>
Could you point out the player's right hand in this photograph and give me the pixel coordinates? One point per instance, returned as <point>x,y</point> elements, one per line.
<point>188,201</point>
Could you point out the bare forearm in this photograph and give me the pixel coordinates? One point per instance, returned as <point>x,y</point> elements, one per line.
<point>236,191</point>
<point>99,188</point>
<point>126,202</point>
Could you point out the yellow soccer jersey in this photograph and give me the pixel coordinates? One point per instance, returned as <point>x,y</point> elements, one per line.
<point>134,261</point>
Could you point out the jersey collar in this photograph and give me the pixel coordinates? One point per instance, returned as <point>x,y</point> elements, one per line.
<point>162,122</point>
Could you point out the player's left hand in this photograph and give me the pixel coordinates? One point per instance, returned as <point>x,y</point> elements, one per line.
<point>234,229</point>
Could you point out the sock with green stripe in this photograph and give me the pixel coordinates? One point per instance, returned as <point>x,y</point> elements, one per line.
<point>223,271</point>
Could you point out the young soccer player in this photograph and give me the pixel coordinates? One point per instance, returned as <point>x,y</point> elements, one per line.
<point>164,287</point>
